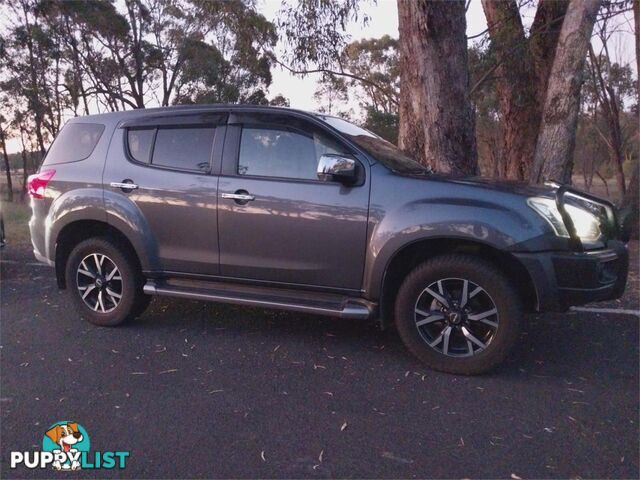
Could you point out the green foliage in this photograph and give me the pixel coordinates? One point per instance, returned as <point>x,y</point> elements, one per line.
<point>385,124</point>
<point>374,81</point>
<point>127,54</point>
<point>315,30</point>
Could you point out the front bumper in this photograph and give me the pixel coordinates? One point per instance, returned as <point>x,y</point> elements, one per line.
<point>564,279</point>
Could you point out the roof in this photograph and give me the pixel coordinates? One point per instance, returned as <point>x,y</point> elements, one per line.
<point>120,115</point>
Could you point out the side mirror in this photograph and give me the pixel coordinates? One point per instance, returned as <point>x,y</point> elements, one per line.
<point>340,168</point>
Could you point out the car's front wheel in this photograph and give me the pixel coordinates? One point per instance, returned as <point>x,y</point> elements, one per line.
<point>458,314</point>
<point>104,282</point>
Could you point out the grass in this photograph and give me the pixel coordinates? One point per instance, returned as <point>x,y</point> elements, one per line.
<point>16,218</point>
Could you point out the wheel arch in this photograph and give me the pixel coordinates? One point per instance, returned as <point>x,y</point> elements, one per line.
<point>409,256</point>
<point>77,231</point>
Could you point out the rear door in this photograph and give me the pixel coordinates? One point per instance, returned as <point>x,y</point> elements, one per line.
<point>294,229</point>
<point>171,164</point>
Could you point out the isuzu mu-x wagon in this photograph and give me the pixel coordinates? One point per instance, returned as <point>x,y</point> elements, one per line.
<point>285,209</point>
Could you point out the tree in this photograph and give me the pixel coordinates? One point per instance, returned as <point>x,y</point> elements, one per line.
<point>436,119</point>
<point>437,128</point>
<point>7,168</point>
<point>553,158</point>
<point>523,65</point>
<point>487,110</point>
<point>167,51</point>
<point>32,68</point>
<point>631,201</point>
<point>609,84</point>
<point>377,61</point>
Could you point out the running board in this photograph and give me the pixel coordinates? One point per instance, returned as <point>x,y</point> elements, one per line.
<point>316,303</point>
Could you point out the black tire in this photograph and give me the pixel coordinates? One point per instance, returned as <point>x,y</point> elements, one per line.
<point>108,310</point>
<point>496,289</point>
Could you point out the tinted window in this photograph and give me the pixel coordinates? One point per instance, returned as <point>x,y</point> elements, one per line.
<point>283,153</point>
<point>75,142</point>
<point>140,142</point>
<point>184,148</point>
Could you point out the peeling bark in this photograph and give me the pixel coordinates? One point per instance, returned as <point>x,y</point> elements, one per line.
<point>520,116</point>
<point>436,118</point>
<point>523,71</point>
<point>553,158</point>
<point>543,41</point>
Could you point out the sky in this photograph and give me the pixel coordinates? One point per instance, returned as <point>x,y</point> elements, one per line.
<point>384,21</point>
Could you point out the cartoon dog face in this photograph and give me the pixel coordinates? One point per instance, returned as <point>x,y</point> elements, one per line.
<point>65,435</point>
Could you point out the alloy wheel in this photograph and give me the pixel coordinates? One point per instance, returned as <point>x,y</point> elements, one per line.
<point>99,283</point>
<point>456,317</point>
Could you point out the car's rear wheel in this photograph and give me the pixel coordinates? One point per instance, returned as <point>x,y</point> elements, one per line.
<point>104,282</point>
<point>458,314</point>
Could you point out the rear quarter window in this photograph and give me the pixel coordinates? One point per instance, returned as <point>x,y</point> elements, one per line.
<point>140,141</point>
<point>75,142</point>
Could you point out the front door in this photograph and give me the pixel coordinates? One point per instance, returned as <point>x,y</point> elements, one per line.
<point>170,162</point>
<point>277,221</point>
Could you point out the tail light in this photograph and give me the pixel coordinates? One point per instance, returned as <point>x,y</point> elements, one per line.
<point>38,182</point>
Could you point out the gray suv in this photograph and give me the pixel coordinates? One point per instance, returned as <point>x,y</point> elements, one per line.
<point>292,210</point>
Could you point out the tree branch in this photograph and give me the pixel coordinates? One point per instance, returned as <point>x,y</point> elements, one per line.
<point>390,96</point>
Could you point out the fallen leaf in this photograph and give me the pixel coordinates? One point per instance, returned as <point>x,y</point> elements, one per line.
<point>171,370</point>
<point>343,427</point>
<point>515,477</point>
<point>262,456</point>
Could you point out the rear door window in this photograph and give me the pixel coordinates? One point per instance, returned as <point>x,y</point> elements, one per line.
<point>75,142</point>
<point>184,148</point>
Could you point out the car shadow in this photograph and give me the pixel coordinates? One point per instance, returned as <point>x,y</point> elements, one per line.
<point>551,345</point>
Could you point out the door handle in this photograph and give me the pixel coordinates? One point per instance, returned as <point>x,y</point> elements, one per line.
<point>126,185</point>
<point>238,196</point>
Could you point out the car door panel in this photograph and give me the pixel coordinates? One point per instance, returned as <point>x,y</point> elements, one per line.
<point>293,231</point>
<point>179,206</point>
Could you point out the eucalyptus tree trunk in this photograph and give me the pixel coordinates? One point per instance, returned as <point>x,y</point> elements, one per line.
<point>520,117</point>
<point>523,70</point>
<point>632,198</point>
<point>436,118</point>
<point>7,166</point>
<point>553,158</point>
<point>543,41</point>
<point>636,21</point>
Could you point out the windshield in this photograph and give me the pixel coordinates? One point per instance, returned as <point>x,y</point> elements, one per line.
<point>377,147</point>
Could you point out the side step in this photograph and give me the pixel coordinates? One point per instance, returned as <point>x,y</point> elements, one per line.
<point>308,302</point>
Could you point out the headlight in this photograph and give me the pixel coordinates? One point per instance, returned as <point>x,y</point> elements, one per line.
<point>586,224</point>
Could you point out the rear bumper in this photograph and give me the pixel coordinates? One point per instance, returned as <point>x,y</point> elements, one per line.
<point>564,279</point>
<point>41,258</point>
